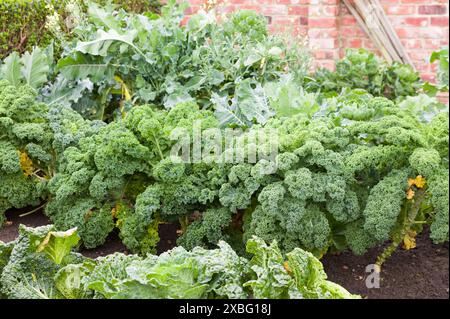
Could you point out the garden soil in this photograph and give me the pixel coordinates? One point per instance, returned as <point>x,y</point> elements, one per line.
<point>420,273</point>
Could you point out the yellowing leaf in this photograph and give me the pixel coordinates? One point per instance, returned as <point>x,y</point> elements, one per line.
<point>116,210</point>
<point>409,241</point>
<point>125,91</point>
<point>420,181</point>
<point>286,267</point>
<point>263,61</point>
<point>26,164</point>
<point>410,194</point>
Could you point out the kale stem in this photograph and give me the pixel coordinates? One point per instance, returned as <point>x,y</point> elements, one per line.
<point>407,223</point>
<point>158,147</point>
<point>33,211</point>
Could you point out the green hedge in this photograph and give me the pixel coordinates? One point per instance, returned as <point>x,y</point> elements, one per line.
<point>22,22</point>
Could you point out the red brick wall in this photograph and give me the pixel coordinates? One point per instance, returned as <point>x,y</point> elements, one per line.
<point>422,25</point>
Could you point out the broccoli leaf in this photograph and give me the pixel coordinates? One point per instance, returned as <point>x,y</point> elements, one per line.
<point>35,67</point>
<point>10,69</point>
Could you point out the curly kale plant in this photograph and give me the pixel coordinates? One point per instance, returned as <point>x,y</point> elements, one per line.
<point>33,136</point>
<point>25,142</point>
<point>101,182</point>
<point>342,181</point>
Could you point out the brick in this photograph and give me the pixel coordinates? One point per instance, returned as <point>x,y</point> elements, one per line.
<point>421,66</point>
<point>323,33</point>
<point>330,1</point>
<point>431,33</point>
<point>286,20</point>
<point>322,22</point>
<point>408,33</point>
<point>368,44</point>
<point>411,21</point>
<point>324,55</point>
<point>331,10</point>
<point>250,7</point>
<point>419,55</point>
<point>199,2</point>
<point>412,43</point>
<point>323,11</point>
<point>439,21</point>
<point>389,2</point>
<point>354,43</point>
<point>432,44</point>
<point>432,9</point>
<point>298,10</point>
<point>274,29</point>
<point>292,1</point>
<point>263,2</point>
<point>400,10</point>
<point>416,1</point>
<point>185,20</point>
<point>429,77</point>
<point>324,43</point>
<point>274,10</point>
<point>353,31</point>
<point>348,21</point>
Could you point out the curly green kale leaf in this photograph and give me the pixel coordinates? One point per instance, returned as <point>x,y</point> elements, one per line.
<point>439,190</point>
<point>207,230</point>
<point>384,204</point>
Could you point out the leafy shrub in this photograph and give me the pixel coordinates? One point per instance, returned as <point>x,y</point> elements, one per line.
<point>22,22</point>
<point>363,69</point>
